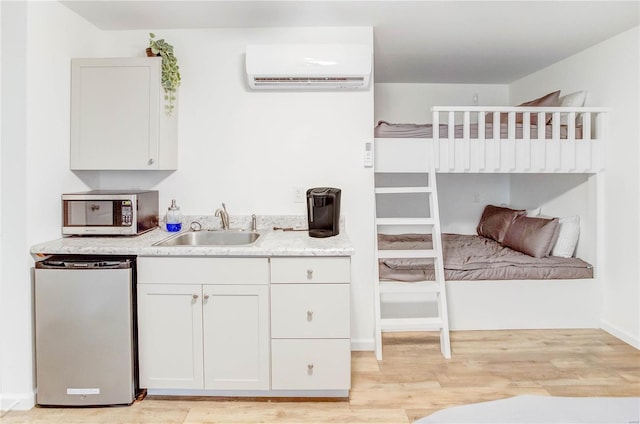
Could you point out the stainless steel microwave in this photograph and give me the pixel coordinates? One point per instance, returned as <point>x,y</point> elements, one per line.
<point>109,212</point>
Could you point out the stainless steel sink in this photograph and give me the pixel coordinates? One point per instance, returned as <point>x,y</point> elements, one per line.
<point>212,238</point>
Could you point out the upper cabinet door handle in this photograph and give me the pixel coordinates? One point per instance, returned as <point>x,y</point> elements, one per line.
<point>151,161</point>
<point>309,274</point>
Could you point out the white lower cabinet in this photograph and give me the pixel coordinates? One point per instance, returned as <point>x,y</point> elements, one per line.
<point>278,326</point>
<point>170,336</point>
<point>235,324</point>
<point>310,324</point>
<point>203,323</point>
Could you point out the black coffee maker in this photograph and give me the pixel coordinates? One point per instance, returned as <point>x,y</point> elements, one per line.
<point>323,211</point>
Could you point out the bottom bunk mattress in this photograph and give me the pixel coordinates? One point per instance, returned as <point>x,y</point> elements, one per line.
<point>472,257</point>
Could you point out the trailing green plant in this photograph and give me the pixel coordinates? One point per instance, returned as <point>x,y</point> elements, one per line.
<point>170,69</point>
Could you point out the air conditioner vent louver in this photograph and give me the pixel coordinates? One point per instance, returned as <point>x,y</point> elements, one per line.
<point>303,81</point>
<point>308,66</point>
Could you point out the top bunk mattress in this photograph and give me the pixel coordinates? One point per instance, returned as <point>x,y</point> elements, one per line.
<point>472,257</point>
<point>386,129</point>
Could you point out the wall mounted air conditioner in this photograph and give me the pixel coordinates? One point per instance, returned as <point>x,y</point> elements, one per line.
<point>308,66</point>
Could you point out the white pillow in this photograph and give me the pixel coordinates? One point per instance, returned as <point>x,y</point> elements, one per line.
<point>568,234</point>
<point>576,99</point>
<point>532,213</point>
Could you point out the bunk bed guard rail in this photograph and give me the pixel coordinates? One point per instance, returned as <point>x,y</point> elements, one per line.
<point>502,139</point>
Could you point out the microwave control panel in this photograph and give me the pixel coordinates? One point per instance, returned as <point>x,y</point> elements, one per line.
<point>126,212</point>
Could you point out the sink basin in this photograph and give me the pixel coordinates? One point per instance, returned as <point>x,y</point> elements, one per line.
<point>212,238</point>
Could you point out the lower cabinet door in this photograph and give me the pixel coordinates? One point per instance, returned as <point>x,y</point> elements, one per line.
<point>311,364</point>
<point>236,337</point>
<point>170,336</point>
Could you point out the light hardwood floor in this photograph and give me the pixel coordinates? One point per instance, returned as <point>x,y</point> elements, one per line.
<point>412,381</point>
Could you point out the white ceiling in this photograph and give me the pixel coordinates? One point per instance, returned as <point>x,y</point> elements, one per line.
<point>415,41</point>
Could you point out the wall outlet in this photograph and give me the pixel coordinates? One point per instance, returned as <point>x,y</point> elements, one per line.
<point>299,195</point>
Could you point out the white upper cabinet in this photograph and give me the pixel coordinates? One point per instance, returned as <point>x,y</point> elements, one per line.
<point>118,118</point>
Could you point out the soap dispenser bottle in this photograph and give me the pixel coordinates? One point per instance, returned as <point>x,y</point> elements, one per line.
<point>173,218</point>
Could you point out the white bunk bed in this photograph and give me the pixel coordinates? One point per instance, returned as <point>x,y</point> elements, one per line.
<point>573,141</point>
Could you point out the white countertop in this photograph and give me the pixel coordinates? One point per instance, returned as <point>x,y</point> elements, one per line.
<point>272,243</point>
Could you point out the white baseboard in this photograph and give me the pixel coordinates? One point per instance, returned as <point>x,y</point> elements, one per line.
<point>362,344</point>
<point>620,334</point>
<point>17,402</point>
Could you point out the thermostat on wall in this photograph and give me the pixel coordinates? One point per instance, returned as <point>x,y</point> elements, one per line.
<point>368,154</point>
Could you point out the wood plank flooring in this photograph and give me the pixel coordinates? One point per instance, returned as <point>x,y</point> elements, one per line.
<point>412,381</point>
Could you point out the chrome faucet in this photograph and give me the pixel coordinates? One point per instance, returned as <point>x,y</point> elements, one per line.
<point>224,216</point>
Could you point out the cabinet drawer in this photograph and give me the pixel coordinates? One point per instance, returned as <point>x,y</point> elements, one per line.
<point>311,270</point>
<point>310,311</point>
<point>203,270</point>
<point>311,364</point>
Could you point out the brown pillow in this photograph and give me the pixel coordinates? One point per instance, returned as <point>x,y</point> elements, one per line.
<point>533,236</point>
<point>551,100</point>
<point>495,221</point>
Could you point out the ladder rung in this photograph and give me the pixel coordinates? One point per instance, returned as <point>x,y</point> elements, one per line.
<point>410,324</point>
<point>413,253</point>
<point>405,287</point>
<point>405,221</point>
<point>397,190</point>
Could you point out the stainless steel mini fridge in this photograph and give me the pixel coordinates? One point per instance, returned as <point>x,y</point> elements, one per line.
<point>85,331</point>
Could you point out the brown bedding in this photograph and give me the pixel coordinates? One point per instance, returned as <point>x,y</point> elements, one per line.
<point>471,257</point>
<point>388,130</point>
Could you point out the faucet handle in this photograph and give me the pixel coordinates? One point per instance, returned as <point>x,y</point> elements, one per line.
<point>254,226</point>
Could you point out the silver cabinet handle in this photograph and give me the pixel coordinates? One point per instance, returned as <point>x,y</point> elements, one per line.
<point>309,315</point>
<point>310,369</point>
<point>151,161</point>
<point>195,296</point>
<point>309,274</point>
<point>206,297</point>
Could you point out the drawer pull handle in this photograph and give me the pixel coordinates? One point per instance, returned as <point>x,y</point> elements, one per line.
<point>195,296</point>
<point>309,315</point>
<point>310,369</point>
<point>206,297</point>
<point>309,274</point>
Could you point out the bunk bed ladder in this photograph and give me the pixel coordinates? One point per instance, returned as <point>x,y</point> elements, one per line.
<point>436,288</point>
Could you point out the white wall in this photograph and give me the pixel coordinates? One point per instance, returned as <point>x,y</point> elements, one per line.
<point>14,283</point>
<point>609,71</point>
<point>562,195</point>
<point>461,198</point>
<point>248,149</point>
<point>37,40</point>
<point>2,408</point>
<point>412,103</point>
